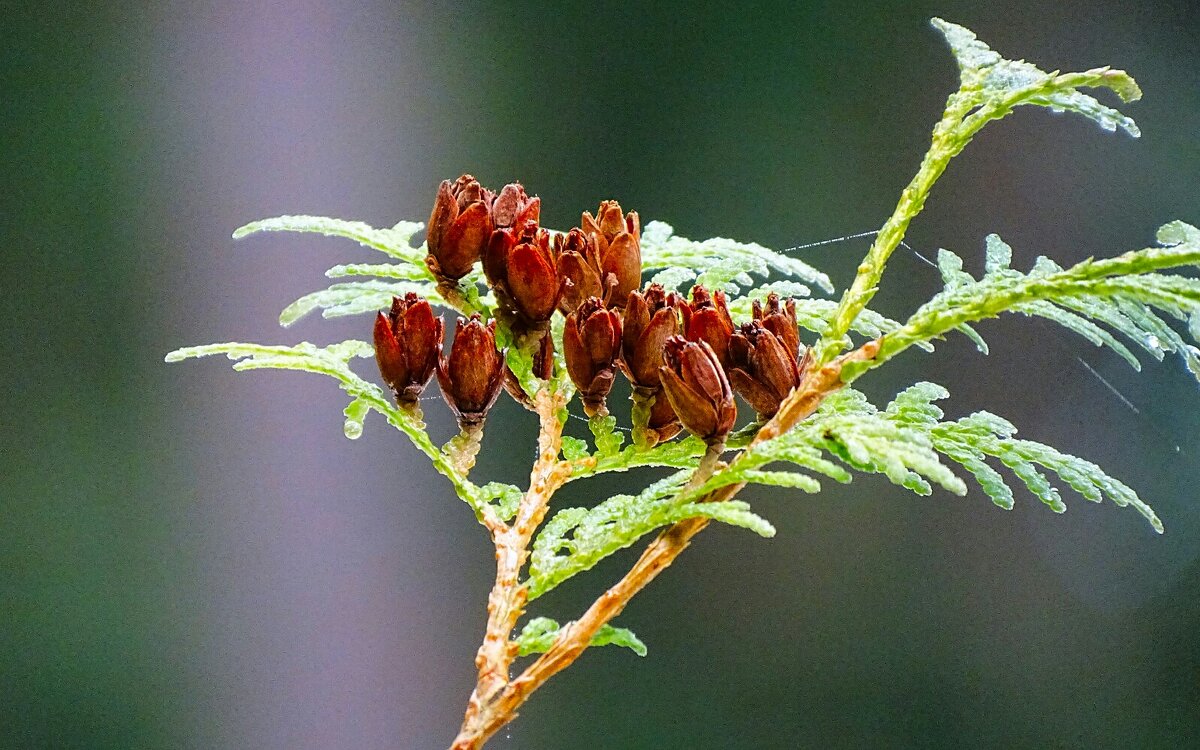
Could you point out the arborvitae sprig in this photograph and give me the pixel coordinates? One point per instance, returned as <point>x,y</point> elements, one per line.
<point>1121,293</point>
<point>821,429</point>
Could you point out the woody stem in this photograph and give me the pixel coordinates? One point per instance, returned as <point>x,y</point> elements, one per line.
<point>575,637</point>
<point>506,602</point>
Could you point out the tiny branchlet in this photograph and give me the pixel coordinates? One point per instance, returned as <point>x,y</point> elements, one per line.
<point>548,316</point>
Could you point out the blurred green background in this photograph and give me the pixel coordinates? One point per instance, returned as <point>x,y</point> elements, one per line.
<point>197,559</point>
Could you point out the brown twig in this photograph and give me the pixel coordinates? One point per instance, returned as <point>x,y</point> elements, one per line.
<point>506,602</point>
<point>575,637</point>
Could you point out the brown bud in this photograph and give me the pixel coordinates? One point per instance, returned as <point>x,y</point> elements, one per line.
<point>459,227</point>
<point>520,264</point>
<point>618,249</point>
<point>472,375</point>
<point>650,319</point>
<point>707,319</point>
<point>696,386</point>
<point>578,269</point>
<point>761,368</point>
<point>781,321</point>
<point>512,207</point>
<point>407,342</point>
<point>591,345</point>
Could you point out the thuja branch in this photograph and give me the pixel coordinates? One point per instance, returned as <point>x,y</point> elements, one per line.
<point>990,89</point>
<point>575,637</point>
<point>1122,292</point>
<point>548,314</point>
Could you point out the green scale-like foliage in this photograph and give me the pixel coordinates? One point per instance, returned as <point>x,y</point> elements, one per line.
<point>1124,294</point>
<point>1124,303</point>
<point>907,442</point>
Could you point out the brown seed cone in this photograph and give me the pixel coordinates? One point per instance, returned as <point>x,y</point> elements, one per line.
<point>459,227</point>
<point>698,389</point>
<point>407,342</point>
<point>781,321</point>
<point>578,269</point>
<point>707,319</point>
<point>520,263</point>
<point>591,345</point>
<point>761,369</point>
<point>473,373</point>
<point>617,238</point>
<point>513,208</point>
<point>649,320</point>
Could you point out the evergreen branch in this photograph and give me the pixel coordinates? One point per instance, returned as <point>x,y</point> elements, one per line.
<point>821,430</point>
<point>990,89</point>
<point>576,539</point>
<point>849,429</point>
<point>972,439</point>
<point>334,361</point>
<point>363,297</point>
<point>1122,293</point>
<point>508,597</point>
<point>396,242</point>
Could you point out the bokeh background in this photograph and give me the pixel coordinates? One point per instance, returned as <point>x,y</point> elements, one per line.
<point>196,559</point>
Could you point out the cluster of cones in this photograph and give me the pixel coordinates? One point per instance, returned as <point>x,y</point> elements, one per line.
<point>688,351</point>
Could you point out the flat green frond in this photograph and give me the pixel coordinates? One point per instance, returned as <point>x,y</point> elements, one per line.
<point>673,278</point>
<point>740,306</point>
<point>410,274</point>
<point>999,85</point>
<point>720,263</point>
<point>574,449</point>
<point>972,440</point>
<point>539,635</point>
<point>791,479</point>
<point>608,438</point>
<point>906,442</point>
<point>1108,302</point>
<point>396,242</point>
<point>848,430</point>
<point>575,539</point>
<point>731,512</point>
<point>356,298</point>
<point>401,271</point>
<point>334,361</point>
<point>684,453</point>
